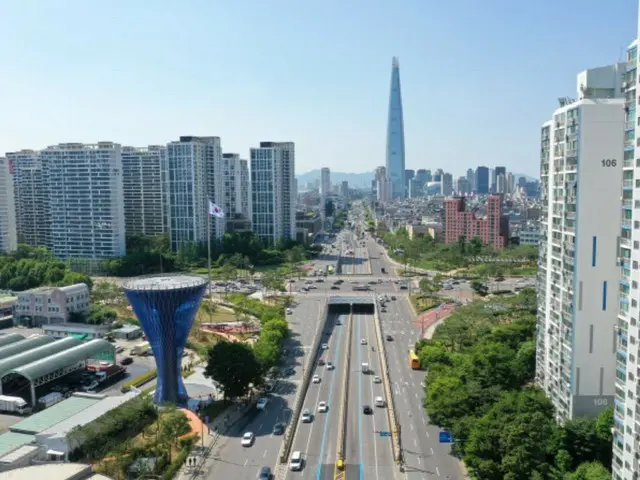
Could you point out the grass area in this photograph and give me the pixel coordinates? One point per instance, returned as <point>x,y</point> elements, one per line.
<point>216,408</point>
<point>422,303</point>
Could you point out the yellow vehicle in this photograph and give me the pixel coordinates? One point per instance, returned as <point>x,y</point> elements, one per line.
<point>414,361</point>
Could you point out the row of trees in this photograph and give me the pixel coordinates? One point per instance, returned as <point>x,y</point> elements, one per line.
<point>481,364</point>
<point>238,366</point>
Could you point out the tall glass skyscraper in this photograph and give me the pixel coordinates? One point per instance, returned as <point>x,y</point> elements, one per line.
<point>395,135</point>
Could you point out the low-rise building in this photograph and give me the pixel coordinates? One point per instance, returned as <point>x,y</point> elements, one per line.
<point>50,305</point>
<point>128,332</point>
<point>77,330</point>
<point>530,237</point>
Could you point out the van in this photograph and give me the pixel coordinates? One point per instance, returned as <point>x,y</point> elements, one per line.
<point>380,402</point>
<point>295,465</point>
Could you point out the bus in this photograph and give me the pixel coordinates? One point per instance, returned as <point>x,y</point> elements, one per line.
<point>414,361</point>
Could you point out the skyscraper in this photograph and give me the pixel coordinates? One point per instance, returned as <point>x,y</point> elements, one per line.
<point>395,135</point>
<point>325,182</point>
<point>482,180</point>
<point>8,238</point>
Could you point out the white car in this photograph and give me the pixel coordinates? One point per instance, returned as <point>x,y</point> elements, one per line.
<point>262,403</point>
<point>247,439</point>
<point>330,366</point>
<point>306,416</point>
<point>316,379</point>
<point>323,407</point>
<point>363,341</point>
<point>377,380</point>
<point>325,346</point>
<point>289,311</point>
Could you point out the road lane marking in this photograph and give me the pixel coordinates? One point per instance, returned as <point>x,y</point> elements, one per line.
<point>411,425</point>
<point>264,454</point>
<point>415,442</point>
<point>437,471</point>
<point>379,366</point>
<point>432,451</point>
<point>245,462</point>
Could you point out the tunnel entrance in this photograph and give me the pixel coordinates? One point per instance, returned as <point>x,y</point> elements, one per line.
<point>362,308</point>
<point>340,308</point>
<point>361,305</point>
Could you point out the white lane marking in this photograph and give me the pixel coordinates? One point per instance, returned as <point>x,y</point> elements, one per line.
<point>425,432</point>
<point>264,454</point>
<point>415,443</point>
<point>432,451</point>
<point>245,462</point>
<point>411,425</point>
<point>260,427</point>
<point>419,460</point>
<point>437,471</point>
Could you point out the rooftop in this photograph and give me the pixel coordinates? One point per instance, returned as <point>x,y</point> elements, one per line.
<point>166,282</point>
<point>54,471</point>
<point>75,327</point>
<point>9,441</point>
<point>18,453</point>
<point>53,415</point>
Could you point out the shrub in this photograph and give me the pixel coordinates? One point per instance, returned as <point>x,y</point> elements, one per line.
<point>140,380</point>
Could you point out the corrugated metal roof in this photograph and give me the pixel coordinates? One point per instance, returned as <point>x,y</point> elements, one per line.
<point>24,345</point>
<point>8,364</point>
<point>9,441</point>
<point>57,413</point>
<point>18,453</point>
<point>50,364</point>
<point>10,338</point>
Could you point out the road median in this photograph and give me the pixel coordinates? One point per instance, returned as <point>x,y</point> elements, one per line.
<point>342,418</point>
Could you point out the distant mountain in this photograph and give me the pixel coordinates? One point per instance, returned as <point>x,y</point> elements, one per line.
<point>356,180</point>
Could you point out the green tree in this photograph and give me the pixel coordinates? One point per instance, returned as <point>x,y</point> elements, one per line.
<point>174,424</point>
<point>234,366</point>
<point>590,471</point>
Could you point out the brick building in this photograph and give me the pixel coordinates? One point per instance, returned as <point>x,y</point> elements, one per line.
<point>493,230</point>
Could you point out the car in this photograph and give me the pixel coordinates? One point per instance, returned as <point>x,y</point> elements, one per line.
<point>389,338</point>
<point>320,280</point>
<point>377,379</point>
<point>264,473</point>
<point>247,439</point>
<point>278,428</point>
<point>330,366</point>
<point>325,346</point>
<point>262,403</point>
<point>126,361</point>
<point>316,379</point>
<point>321,362</point>
<point>367,410</point>
<point>323,407</point>
<point>339,282</point>
<point>289,311</point>
<point>383,310</point>
<point>380,402</point>
<point>295,464</point>
<point>306,416</point>
<point>393,297</point>
<point>289,371</point>
<point>335,287</point>
<point>363,341</point>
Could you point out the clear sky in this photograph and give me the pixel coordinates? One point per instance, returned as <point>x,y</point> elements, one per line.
<point>478,77</point>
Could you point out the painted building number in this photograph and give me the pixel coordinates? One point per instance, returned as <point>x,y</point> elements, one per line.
<point>601,402</point>
<point>609,162</point>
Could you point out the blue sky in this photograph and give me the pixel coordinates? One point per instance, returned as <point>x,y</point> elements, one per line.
<point>478,77</point>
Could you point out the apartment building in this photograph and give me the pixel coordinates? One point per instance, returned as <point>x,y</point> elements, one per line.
<point>8,237</point>
<point>273,199</point>
<point>446,185</point>
<point>146,196</point>
<point>581,148</point>
<point>235,173</point>
<point>626,433</point>
<point>83,184</point>
<point>30,197</point>
<point>459,222</point>
<point>325,182</point>
<point>51,305</point>
<point>195,178</point>
<point>383,185</point>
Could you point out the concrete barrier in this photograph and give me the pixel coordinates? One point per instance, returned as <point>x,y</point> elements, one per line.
<point>386,381</point>
<point>342,431</point>
<point>289,435</point>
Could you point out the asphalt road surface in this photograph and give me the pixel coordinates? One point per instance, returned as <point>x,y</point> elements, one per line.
<point>229,459</point>
<point>318,440</point>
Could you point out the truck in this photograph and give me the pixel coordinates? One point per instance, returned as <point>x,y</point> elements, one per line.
<point>50,399</point>
<point>110,373</point>
<point>141,348</point>
<point>9,404</point>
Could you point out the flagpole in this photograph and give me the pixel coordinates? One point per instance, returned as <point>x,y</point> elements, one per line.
<point>209,247</point>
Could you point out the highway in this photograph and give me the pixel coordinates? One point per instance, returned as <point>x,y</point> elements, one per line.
<point>358,262</point>
<point>368,454</point>
<point>318,440</point>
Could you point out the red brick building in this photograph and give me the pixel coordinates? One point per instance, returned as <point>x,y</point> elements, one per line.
<point>492,230</point>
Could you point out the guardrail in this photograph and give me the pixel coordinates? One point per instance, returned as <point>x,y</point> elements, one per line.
<point>289,435</point>
<point>342,431</point>
<point>391,410</point>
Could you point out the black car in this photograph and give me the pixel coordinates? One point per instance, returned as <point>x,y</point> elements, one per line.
<point>278,429</point>
<point>393,297</point>
<point>389,338</point>
<point>126,361</point>
<point>367,410</point>
<point>335,287</point>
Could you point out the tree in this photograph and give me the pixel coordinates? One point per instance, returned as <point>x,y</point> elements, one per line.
<point>590,471</point>
<point>234,366</point>
<point>174,424</point>
<point>430,286</point>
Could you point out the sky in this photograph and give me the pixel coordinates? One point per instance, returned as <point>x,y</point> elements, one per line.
<point>478,77</point>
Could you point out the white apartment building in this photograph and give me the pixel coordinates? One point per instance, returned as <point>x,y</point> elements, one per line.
<point>8,237</point>
<point>578,265</point>
<point>195,178</point>
<point>325,182</point>
<point>446,185</point>
<point>30,196</point>
<point>85,200</point>
<point>273,198</point>
<point>383,185</point>
<point>501,184</point>
<point>146,196</point>
<point>51,305</point>
<point>235,171</point>
<point>626,433</point>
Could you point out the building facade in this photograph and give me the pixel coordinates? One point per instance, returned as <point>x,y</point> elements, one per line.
<point>83,184</point>
<point>195,178</point>
<point>446,186</point>
<point>482,181</point>
<point>235,171</point>
<point>325,182</point>
<point>145,186</point>
<point>460,223</point>
<point>578,266</point>
<point>273,200</point>
<point>395,135</point>
<point>51,305</point>
<point>383,185</point>
<point>8,236</point>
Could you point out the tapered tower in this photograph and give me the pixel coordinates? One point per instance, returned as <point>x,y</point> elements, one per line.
<point>395,135</point>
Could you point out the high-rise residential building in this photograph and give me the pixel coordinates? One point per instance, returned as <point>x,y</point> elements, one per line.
<point>395,135</point>
<point>492,180</point>
<point>446,185</point>
<point>325,182</point>
<point>85,200</point>
<point>626,433</point>
<point>383,185</point>
<point>273,201</point>
<point>459,222</point>
<point>482,181</point>
<point>579,268</point>
<point>8,237</point>
<point>344,189</point>
<point>195,178</point>
<point>510,183</point>
<point>30,196</point>
<point>501,184</point>
<point>471,179</point>
<point>235,196</point>
<point>146,197</point>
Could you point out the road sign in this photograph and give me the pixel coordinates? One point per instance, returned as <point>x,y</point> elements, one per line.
<point>446,437</point>
<point>385,434</point>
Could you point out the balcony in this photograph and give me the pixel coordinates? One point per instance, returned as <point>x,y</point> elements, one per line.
<point>625,242</point>
<point>625,223</point>
<point>627,202</point>
<point>628,163</point>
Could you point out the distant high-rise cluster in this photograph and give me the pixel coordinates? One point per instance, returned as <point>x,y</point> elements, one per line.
<point>83,200</point>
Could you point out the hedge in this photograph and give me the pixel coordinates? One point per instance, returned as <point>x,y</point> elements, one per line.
<point>140,380</point>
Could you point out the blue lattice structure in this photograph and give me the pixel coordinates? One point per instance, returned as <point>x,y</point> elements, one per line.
<point>166,307</point>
